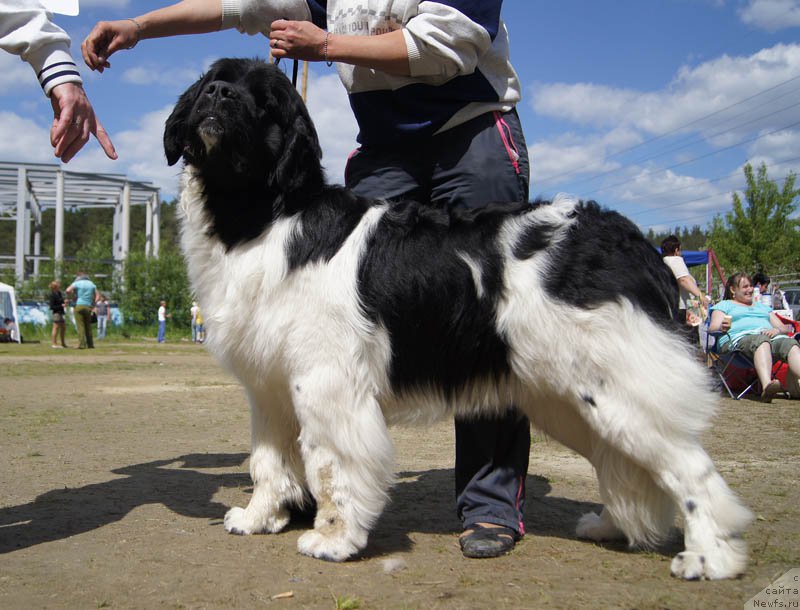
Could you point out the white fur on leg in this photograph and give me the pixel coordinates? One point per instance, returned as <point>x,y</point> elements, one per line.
<point>348,457</point>
<point>328,547</point>
<point>240,521</point>
<point>633,501</point>
<point>275,468</point>
<point>592,526</point>
<point>646,451</point>
<point>715,520</point>
<point>728,560</point>
<point>336,536</point>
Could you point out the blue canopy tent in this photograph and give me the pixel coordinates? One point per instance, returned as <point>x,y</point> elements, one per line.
<point>693,258</point>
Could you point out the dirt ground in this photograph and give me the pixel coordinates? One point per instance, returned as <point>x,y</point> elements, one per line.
<point>118,465</point>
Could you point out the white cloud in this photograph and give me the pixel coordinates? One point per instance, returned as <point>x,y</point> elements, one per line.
<point>582,103</point>
<point>695,92</point>
<point>573,155</point>
<point>779,151</point>
<point>693,109</point>
<point>141,154</point>
<point>654,189</point>
<point>23,140</point>
<point>567,154</point>
<point>151,74</point>
<point>771,15</point>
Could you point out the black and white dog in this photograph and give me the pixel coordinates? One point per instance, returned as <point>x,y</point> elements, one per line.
<point>339,314</point>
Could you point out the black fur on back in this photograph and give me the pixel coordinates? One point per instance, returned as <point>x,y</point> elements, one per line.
<point>604,257</point>
<point>413,281</point>
<point>326,223</point>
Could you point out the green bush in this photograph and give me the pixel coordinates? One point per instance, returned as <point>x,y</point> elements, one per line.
<point>148,281</point>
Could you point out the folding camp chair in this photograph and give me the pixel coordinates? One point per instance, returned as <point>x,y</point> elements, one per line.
<point>736,371</point>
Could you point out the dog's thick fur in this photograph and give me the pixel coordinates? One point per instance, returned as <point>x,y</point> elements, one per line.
<point>339,314</point>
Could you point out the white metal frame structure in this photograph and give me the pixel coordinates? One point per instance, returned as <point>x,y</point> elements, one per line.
<point>27,189</point>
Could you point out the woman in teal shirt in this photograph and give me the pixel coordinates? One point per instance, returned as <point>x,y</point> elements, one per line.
<point>754,329</point>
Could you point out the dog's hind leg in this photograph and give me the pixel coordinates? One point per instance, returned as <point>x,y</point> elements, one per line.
<point>630,497</point>
<point>673,457</point>
<point>275,466</point>
<point>592,526</point>
<point>349,461</point>
<point>715,518</point>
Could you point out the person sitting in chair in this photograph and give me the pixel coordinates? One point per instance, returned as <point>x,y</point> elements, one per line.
<point>753,329</point>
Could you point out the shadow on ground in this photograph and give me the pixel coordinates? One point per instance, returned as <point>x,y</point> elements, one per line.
<point>422,504</point>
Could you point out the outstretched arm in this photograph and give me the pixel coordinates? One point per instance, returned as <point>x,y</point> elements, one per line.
<point>186,17</point>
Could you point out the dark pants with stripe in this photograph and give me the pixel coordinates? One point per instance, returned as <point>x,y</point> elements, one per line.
<point>482,161</point>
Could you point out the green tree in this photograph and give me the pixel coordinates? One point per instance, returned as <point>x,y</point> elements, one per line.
<point>760,233</point>
<point>148,281</point>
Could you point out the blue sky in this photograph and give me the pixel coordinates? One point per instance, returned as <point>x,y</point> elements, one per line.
<point>649,106</point>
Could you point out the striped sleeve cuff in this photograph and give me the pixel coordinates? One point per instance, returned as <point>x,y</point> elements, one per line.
<point>55,67</point>
<point>231,13</point>
<point>414,54</point>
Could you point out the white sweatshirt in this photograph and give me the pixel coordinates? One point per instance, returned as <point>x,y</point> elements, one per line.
<point>458,54</point>
<point>27,30</point>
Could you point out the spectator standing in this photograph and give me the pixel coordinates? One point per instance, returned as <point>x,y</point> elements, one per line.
<point>162,321</point>
<point>103,310</point>
<point>86,296</point>
<point>671,254</point>
<point>201,327</point>
<point>27,30</point>
<point>193,311</point>
<point>56,302</point>
<point>762,294</point>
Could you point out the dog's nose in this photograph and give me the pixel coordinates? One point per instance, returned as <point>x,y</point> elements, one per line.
<point>220,90</point>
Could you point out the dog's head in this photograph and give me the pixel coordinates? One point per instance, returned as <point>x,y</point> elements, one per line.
<point>243,122</point>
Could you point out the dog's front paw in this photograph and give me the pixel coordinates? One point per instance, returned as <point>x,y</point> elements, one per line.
<point>326,547</point>
<point>592,526</point>
<point>244,522</point>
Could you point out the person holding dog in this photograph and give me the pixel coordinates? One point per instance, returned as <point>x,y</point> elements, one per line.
<point>434,94</point>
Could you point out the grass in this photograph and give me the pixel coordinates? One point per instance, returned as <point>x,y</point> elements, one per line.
<point>347,603</point>
<point>34,332</point>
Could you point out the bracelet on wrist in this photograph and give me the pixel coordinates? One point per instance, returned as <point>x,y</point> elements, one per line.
<point>138,32</point>
<point>328,62</point>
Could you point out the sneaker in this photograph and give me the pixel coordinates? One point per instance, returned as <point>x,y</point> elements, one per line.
<point>57,346</point>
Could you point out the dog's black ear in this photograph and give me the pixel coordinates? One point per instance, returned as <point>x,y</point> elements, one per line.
<point>299,160</point>
<point>175,127</point>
